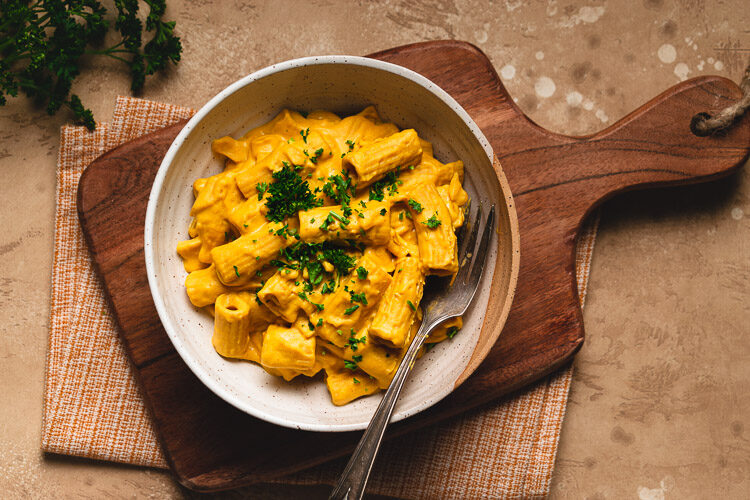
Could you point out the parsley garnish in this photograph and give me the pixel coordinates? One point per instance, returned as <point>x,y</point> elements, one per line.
<point>383,211</point>
<point>262,187</point>
<point>342,221</point>
<point>236,271</point>
<point>353,342</point>
<point>358,297</point>
<point>350,143</point>
<point>433,221</point>
<point>351,365</point>
<point>339,188</point>
<point>390,182</point>
<point>362,273</point>
<point>304,134</point>
<point>328,287</point>
<point>452,331</point>
<point>288,195</point>
<point>411,306</point>
<point>350,310</point>
<point>355,380</point>
<point>415,206</point>
<point>314,159</point>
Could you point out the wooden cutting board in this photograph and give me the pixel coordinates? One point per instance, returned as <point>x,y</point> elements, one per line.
<point>556,181</point>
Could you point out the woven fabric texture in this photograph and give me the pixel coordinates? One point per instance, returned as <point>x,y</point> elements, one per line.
<point>93,407</point>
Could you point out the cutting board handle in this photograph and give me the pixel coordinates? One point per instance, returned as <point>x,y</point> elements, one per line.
<point>651,146</point>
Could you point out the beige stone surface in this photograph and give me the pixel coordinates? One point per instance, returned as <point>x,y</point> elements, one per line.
<point>660,404</point>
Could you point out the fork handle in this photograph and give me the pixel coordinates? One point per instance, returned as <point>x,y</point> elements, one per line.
<point>351,484</point>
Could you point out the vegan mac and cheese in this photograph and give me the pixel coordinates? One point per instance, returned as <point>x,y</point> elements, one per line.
<point>311,248</point>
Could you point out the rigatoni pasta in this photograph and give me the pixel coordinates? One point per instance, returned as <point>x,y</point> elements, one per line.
<point>311,248</point>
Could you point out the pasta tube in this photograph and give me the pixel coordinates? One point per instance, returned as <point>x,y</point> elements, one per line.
<point>189,251</point>
<point>287,348</point>
<point>284,295</point>
<point>350,305</point>
<point>239,260</point>
<point>371,162</point>
<point>370,224</point>
<point>398,306</point>
<point>345,385</point>
<point>438,249</point>
<point>203,287</point>
<point>238,321</point>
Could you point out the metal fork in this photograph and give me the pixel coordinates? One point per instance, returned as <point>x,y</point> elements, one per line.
<point>441,301</point>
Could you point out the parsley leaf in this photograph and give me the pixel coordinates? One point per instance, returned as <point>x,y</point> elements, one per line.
<point>288,195</point>
<point>358,297</point>
<point>362,273</point>
<point>390,182</point>
<point>433,221</point>
<point>43,43</point>
<point>415,206</point>
<point>350,310</point>
<point>262,187</point>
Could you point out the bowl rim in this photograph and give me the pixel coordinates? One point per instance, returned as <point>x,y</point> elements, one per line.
<point>167,162</point>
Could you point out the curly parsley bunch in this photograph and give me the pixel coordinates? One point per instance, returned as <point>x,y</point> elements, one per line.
<point>43,41</point>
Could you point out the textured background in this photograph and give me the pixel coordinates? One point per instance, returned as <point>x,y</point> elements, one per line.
<point>660,402</point>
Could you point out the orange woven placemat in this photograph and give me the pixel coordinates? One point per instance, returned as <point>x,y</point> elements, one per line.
<point>93,408</point>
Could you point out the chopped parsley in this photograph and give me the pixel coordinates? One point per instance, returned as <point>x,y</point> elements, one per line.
<point>262,187</point>
<point>342,221</point>
<point>353,342</point>
<point>351,365</point>
<point>303,255</point>
<point>362,273</point>
<point>401,216</point>
<point>390,182</point>
<point>358,297</point>
<point>415,206</point>
<point>383,211</point>
<point>350,310</point>
<point>314,159</point>
<point>350,143</point>
<point>288,195</point>
<point>433,221</point>
<point>355,380</point>
<point>411,306</point>
<point>452,331</point>
<point>320,323</point>
<point>290,140</point>
<point>236,271</point>
<point>328,287</point>
<point>340,189</point>
<point>357,358</point>
<point>304,134</point>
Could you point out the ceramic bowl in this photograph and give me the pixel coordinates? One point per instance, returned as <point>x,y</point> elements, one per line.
<point>344,85</point>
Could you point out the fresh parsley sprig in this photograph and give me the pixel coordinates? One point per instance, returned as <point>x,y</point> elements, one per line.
<point>42,43</point>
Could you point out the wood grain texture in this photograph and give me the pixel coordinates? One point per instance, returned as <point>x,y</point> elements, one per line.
<point>556,181</point>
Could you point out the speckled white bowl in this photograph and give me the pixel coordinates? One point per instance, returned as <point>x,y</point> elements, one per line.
<point>345,85</point>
